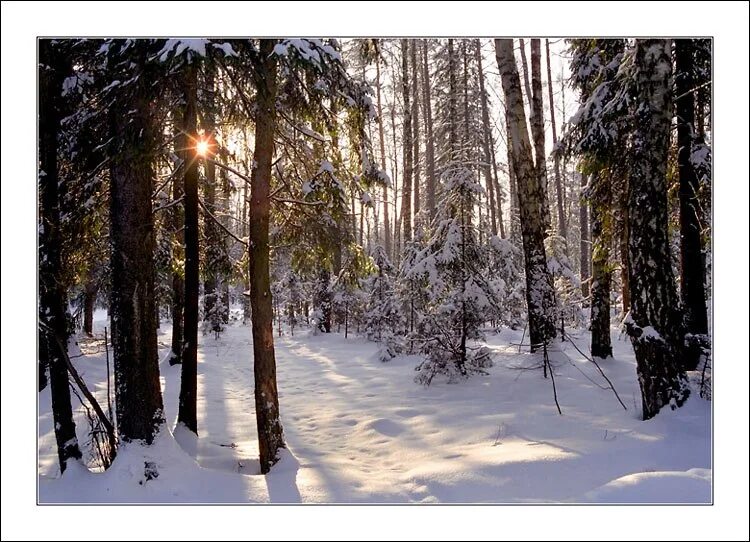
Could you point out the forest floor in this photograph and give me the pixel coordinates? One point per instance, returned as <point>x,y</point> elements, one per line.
<point>362,431</point>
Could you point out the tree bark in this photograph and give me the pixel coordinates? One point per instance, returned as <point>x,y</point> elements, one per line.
<point>601,230</point>
<point>514,219</point>
<point>406,188</point>
<point>692,271</point>
<point>537,128</point>
<point>415,125</point>
<point>188,414</point>
<point>561,219</point>
<point>525,67</point>
<point>430,136</point>
<point>176,225</point>
<point>211,230</point>
<point>53,329</point>
<point>136,364</point>
<point>452,153</point>
<point>270,433</point>
<point>90,290</point>
<point>486,159</point>
<point>653,326</point>
<point>381,134</point>
<point>585,240</point>
<point>539,292</point>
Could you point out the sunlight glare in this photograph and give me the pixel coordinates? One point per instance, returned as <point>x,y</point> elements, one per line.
<point>202,148</point>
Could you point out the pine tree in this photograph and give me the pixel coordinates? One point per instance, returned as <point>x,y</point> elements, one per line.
<point>270,434</point>
<point>460,298</point>
<point>383,320</point>
<point>189,381</point>
<point>53,326</point>
<point>599,134</point>
<point>136,364</point>
<point>692,269</point>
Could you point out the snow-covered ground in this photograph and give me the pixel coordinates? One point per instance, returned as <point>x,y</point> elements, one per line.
<point>361,431</point>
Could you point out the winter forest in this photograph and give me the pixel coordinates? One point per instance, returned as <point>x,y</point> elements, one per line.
<point>445,270</point>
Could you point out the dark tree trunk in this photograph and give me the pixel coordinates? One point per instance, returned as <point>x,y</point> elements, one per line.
<point>514,218</point>
<point>176,224</point>
<point>653,326</point>
<point>525,68</point>
<point>415,125</point>
<point>136,364</point>
<point>53,329</point>
<point>601,230</point>
<point>692,271</point>
<point>496,183</point>
<point>211,230</point>
<point>381,134</point>
<point>622,212</point>
<point>187,414</point>
<point>486,144</point>
<point>561,219</point>
<point>270,434</point>
<point>245,233</point>
<point>407,145</point>
<point>429,135</point>
<point>537,128</point>
<point>585,241</point>
<point>396,244</point>
<point>89,305</point>
<point>452,107</point>
<point>539,292</point>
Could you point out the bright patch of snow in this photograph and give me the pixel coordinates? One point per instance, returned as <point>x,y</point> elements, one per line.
<point>361,431</point>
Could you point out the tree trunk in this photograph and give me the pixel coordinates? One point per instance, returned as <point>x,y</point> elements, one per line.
<point>188,414</point>
<point>270,434</point>
<point>601,230</point>
<point>246,278</point>
<point>537,128</point>
<point>136,364</point>
<point>561,219</point>
<point>539,292</point>
<point>89,305</point>
<point>452,108</point>
<point>486,159</point>
<point>176,225</point>
<point>514,219</point>
<point>585,241</point>
<point>211,230</point>
<point>430,137</point>
<point>498,190</point>
<point>653,326</point>
<point>692,271</point>
<point>396,237</point>
<point>53,329</point>
<point>407,146</point>
<point>415,125</point>
<point>381,134</point>
<point>622,212</point>
<point>525,67</point>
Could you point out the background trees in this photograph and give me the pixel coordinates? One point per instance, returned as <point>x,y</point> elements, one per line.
<point>291,209</point>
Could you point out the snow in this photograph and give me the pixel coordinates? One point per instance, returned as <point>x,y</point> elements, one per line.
<point>193,46</point>
<point>691,486</point>
<point>326,166</point>
<point>226,48</point>
<point>361,431</point>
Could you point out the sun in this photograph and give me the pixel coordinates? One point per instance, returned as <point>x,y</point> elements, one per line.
<point>202,147</point>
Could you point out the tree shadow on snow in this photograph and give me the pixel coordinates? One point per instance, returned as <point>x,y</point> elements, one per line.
<point>282,480</point>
